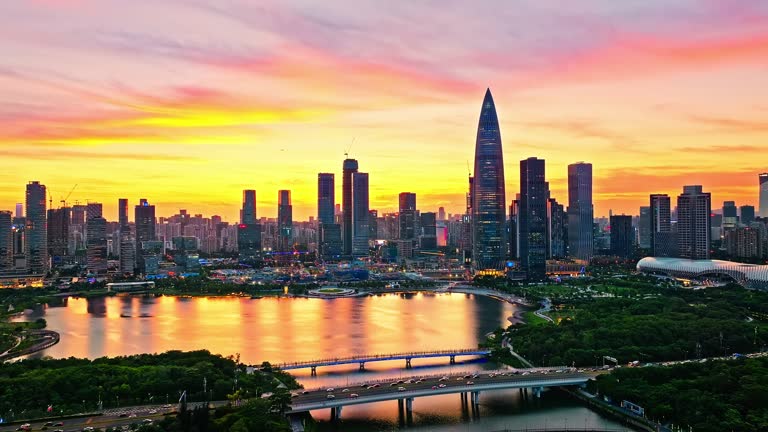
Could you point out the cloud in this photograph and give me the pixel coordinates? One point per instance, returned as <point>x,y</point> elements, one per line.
<point>732,124</point>
<point>53,153</point>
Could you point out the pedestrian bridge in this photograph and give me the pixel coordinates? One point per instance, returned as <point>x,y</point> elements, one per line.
<point>361,360</point>
<point>405,390</point>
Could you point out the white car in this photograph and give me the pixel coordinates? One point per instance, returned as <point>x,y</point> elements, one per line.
<point>330,389</point>
<point>330,396</point>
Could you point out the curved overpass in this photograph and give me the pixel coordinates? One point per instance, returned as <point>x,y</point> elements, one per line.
<point>750,276</point>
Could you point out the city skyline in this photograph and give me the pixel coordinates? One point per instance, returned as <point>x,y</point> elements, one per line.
<point>151,110</point>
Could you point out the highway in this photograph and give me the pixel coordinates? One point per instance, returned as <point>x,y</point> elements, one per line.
<point>434,385</point>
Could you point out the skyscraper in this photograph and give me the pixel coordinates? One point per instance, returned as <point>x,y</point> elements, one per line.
<point>428,237</point>
<point>763,181</point>
<point>489,238</point>
<point>532,219</point>
<point>621,236</point>
<point>663,240</point>
<point>441,214</point>
<point>58,233</point>
<point>730,215</point>
<point>145,232</point>
<point>747,214</point>
<point>248,213</point>
<point>644,227</point>
<point>36,231</point>
<point>350,167</point>
<point>6,241</point>
<point>580,211</point>
<point>693,223</point>
<point>326,197</point>
<point>360,214</point>
<point>557,229</point>
<point>122,212</point>
<point>284,221</point>
<point>96,249</point>
<point>407,215</point>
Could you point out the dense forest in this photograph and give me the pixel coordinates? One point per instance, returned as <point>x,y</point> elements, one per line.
<point>709,397</point>
<point>649,330</point>
<point>73,385</point>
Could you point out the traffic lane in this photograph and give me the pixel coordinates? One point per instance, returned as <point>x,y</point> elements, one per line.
<point>452,381</point>
<point>77,424</point>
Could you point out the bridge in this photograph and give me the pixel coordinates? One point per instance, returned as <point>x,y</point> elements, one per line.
<point>405,390</point>
<point>361,360</point>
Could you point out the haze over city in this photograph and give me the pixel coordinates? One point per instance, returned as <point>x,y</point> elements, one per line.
<point>188,103</point>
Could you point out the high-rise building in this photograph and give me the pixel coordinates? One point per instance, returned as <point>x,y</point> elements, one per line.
<point>144,216</point>
<point>747,214</point>
<point>580,211</point>
<point>763,181</point>
<point>36,231</point>
<point>663,240</point>
<point>248,212</point>
<point>58,233</point>
<point>350,167</point>
<point>19,210</point>
<point>407,215</point>
<point>693,223</point>
<point>360,231</point>
<point>557,229</point>
<point>127,251</point>
<point>6,241</point>
<point>248,240</point>
<point>428,237</point>
<point>93,210</point>
<point>644,228</point>
<point>744,242</point>
<point>284,221</point>
<point>622,239</point>
<point>441,213</point>
<point>730,215</point>
<point>330,241</point>
<point>326,198</point>
<point>532,219</point>
<point>489,220</point>
<point>96,250</point>
<point>373,224</point>
<point>122,212</point>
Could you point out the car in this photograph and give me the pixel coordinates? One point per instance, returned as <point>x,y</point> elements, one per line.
<point>167,406</point>
<point>470,383</point>
<point>460,379</point>
<point>474,376</point>
<point>24,427</point>
<point>330,389</point>
<point>491,375</point>
<point>147,421</point>
<point>443,379</point>
<point>132,415</point>
<point>410,381</point>
<point>370,387</point>
<point>330,396</point>
<point>419,381</point>
<point>434,387</point>
<point>392,384</point>
<point>59,430</point>
<point>400,382</point>
<point>59,424</point>
<point>153,411</point>
<point>466,376</point>
<point>353,395</point>
<point>441,386</point>
<point>401,389</point>
<point>363,385</point>
<point>345,390</point>
<point>305,392</point>
<point>123,415</point>
<point>88,429</point>
<point>375,386</point>
<point>48,424</point>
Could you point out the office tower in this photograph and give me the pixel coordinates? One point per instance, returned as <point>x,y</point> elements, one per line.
<point>330,241</point>
<point>373,224</point>
<point>6,241</point>
<point>127,251</point>
<point>144,217</point>
<point>663,240</point>
<point>514,229</point>
<point>744,242</point>
<point>580,211</point>
<point>284,221</point>
<point>693,223</point>
<point>19,210</point>
<point>428,237</point>
<point>622,239</point>
<point>534,193</point>
<point>36,231</point>
<point>557,229</point>
<point>407,215</point>
<point>122,212</point>
<point>248,213</point>
<point>467,228</point>
<point>58,233</point>
<point>441,213</point>
<point>96,249</point>
<point>360,214</point>
<point>93,210</point>
<point>730,218</point>
<point>326,198</point>
<point>350,167</point>
<point>763,181</point>
<point>747,214</point>
<point>488,198</point>
<point>644,227</point>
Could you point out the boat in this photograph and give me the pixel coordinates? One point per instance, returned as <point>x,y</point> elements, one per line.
<point>256,297</point>
<point>125,315</point>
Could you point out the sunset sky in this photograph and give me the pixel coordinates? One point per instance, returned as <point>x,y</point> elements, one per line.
<point>187,102</point>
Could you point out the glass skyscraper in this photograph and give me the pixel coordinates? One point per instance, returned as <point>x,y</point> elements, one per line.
<point>326,198</point>
<point>763,178</point>
<point>534,196</point>
<point>360,214</point>
<point>350,167</point>
<point>488,197</point>
<point>36,229</point>
<point>580,211</point>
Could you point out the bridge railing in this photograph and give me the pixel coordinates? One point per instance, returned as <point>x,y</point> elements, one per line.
<point>352,359</point>
<point>451,375</point>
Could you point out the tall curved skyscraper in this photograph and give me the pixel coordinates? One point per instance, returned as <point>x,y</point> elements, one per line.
<point>489,248</point>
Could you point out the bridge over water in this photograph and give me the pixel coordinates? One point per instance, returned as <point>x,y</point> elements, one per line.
<point>405,390</point>
<point>361,360</point>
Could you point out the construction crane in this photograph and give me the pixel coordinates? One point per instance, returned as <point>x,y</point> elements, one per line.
<point>64,200</point>
<point>346,150</point>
